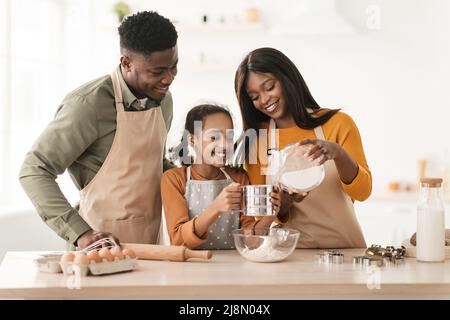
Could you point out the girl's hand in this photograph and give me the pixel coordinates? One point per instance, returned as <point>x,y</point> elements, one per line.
<point>229,199</point>
<point>321,150</point>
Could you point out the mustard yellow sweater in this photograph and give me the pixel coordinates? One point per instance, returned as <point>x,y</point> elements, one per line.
<point>340,129</point>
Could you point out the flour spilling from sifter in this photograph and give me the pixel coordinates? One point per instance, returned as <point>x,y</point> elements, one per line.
<point>303,180</point>
<point>266,252</point>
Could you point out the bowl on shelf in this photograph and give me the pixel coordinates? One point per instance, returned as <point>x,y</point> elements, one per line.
<point>265,245</point>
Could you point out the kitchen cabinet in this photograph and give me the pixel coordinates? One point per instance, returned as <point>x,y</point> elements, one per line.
<point>228,276</point>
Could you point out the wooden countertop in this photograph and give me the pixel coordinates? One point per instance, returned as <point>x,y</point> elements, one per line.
<point>229,276</point>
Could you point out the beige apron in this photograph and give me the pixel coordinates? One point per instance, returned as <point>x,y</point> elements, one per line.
<point>124,197</point>
<point>326,217</point>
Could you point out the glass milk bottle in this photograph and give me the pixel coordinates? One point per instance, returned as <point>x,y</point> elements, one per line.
<point>430,241</point>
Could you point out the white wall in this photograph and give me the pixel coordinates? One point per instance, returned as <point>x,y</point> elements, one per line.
<point>391,80</point>
<point>23,230</point>
<point>4,93</point>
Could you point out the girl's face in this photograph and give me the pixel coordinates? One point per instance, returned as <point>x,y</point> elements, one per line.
<point>266,94</point>
<point>216,140</point>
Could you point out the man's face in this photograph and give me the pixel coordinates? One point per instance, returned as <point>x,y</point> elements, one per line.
<point>150,75</point>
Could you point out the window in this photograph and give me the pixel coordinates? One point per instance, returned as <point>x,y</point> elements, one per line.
<point>40,47</point>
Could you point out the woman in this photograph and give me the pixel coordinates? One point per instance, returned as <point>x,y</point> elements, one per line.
<point>272,93</point>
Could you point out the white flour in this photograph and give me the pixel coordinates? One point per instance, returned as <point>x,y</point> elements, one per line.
<point>303,180</point>
<point>266,252</point>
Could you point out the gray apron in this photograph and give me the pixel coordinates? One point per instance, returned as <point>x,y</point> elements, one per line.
<point>199,195</point>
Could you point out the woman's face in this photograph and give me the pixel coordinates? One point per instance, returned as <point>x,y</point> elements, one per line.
<point>216,140</point>
<point>266,94</point>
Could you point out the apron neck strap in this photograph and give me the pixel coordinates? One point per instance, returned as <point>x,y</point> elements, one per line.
<point>225,173</point>
<point>272,135</point>
<point>188,173</point>
<point>319,133</point>
<point>272,132</point>
<point>117,91</point>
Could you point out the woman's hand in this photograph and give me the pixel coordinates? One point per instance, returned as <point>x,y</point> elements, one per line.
<point>321,151</point>
<point>282,198</point>
<point>289,197</point>
<point>275,199</point>
<point>286,201</point>
<point>229,199</point>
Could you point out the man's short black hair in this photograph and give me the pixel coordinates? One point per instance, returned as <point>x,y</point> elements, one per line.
<point>146,32</point>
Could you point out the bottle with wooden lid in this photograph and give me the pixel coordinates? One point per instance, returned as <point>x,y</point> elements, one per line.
<point>430,221</point>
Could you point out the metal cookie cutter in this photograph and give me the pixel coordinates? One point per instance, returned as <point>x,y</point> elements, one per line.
<point>389,255</point>
<point>378,255</point>
<point>365,261</point>
<point>330,257</point>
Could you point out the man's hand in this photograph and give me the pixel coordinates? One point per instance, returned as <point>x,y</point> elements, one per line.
<point>91,236</point>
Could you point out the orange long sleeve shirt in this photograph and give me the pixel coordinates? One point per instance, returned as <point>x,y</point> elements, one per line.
<point>180,226</point>
<point>340,129</point>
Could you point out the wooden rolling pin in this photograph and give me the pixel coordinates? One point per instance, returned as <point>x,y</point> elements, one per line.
<point>171,253</point>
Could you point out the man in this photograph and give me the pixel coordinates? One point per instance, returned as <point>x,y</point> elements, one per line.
<point>110,134</point>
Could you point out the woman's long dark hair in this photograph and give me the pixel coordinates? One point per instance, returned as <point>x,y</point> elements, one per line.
<point>197,113</point>
<point>296,93</point>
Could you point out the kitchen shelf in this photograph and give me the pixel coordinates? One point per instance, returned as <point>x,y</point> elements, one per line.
<point>221,27</point>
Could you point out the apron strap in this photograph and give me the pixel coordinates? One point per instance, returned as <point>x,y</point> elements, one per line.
<point>188,173</point>
<point>117,91</point>
<point>319,133</point>
<point>272,136</point>
<point>225,173</point>
<point>272,132</point>
<point>317,130</point>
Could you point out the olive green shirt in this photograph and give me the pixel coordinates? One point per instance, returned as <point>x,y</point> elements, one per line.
<point>78,139</point>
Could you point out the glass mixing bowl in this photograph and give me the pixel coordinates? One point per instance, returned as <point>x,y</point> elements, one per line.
<point>265,245</point>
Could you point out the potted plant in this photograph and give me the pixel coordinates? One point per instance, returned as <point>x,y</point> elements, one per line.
<point>121,9</point>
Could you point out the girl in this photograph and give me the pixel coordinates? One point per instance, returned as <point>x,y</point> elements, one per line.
<point>272,94</point>
<point>199,198</point>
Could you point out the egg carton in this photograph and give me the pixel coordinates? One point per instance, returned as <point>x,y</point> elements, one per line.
<point>49,264</point>
<point>54,263</point>
<point>99,268</point>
